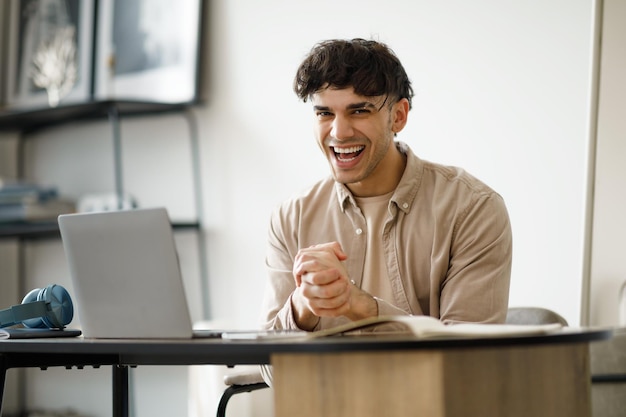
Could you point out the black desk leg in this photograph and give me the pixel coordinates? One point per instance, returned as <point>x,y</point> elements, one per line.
<point>120,391</point>
<point>3,375</point>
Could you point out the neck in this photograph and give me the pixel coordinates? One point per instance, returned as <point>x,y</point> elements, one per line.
<point>386,177</point>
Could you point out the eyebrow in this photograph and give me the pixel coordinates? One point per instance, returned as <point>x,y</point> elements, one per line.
<point>360,105</point>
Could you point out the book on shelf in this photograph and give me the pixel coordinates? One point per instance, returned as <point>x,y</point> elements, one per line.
<point>35,211</point>
<point>15,191</point>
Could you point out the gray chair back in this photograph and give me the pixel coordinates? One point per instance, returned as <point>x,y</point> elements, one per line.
<point>533,315</point>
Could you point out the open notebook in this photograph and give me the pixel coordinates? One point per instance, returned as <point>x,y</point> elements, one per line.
<point>421,327</point>
<point>126,276</point>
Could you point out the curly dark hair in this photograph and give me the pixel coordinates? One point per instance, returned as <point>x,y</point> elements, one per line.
<point>368,66</point>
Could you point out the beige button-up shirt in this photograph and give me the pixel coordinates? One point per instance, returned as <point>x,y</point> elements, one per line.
<point>447,245</point>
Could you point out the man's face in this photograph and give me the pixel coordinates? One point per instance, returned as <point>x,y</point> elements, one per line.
<point>355,133</point>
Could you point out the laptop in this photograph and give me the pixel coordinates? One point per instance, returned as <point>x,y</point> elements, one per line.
<point>126,276</point>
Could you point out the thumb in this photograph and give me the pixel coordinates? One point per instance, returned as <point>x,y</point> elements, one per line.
<point>338,250</point>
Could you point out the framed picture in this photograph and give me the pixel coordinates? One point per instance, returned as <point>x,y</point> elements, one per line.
<point>148,50</point>
<point>49,52</point>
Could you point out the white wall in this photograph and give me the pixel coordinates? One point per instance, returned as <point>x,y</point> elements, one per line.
<point>503,89</point>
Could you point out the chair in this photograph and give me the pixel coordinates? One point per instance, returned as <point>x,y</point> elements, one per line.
<point>248,381</point>
<point>238,382</point>
<point>533,315</point>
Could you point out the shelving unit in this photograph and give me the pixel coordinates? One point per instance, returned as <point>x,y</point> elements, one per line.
<point>30,120</point>
<point>50,229</point>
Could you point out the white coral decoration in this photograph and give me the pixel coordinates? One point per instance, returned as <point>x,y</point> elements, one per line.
<point>55,66</point>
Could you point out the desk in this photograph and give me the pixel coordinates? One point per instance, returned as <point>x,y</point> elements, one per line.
<point>364,375</point>
<point>608,375</point>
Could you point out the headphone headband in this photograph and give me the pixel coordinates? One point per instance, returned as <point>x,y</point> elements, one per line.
<point>18,313</point>
<point>50,307</point>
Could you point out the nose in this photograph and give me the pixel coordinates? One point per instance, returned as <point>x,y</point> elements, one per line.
<point>341,128</point>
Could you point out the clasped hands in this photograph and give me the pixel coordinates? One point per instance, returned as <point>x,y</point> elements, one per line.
<point>323,288</point>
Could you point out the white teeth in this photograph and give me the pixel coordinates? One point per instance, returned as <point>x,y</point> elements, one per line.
<point>351,149</point>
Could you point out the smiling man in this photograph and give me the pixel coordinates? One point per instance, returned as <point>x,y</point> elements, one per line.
<point>387,232</point>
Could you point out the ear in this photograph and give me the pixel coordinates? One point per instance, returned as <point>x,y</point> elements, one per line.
<point>399,115</point>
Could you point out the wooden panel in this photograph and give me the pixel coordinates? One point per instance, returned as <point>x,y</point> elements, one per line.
<point>358,384</point>
<point>519,381</point>
<point>539,380</point>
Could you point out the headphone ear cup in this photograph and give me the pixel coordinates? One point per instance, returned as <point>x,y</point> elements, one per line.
<point>31,296</point>
<point>61,307</point>
<point>60,311</point>
<point>37,322</point>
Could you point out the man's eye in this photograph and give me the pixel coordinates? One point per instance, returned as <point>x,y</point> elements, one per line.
<point>324,114</point>
<point>361,111</point>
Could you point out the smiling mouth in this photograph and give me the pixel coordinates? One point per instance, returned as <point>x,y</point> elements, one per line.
<point>347,154</point>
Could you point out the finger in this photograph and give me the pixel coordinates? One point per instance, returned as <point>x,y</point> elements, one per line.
<point>315,261</point>
<point>335,287</point>
<point>331,247</point>
<point>329,307</point>
<point>324,278</point>
<point>317,274</point>
<point>338,251</point>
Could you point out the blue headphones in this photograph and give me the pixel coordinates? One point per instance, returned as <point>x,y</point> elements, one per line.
<point>44,308</point>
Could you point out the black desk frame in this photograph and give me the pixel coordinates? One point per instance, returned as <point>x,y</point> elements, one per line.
<point>122,354</point>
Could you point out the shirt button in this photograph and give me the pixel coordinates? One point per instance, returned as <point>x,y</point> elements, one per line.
<point>405,205</point>
<point>359,231</point>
